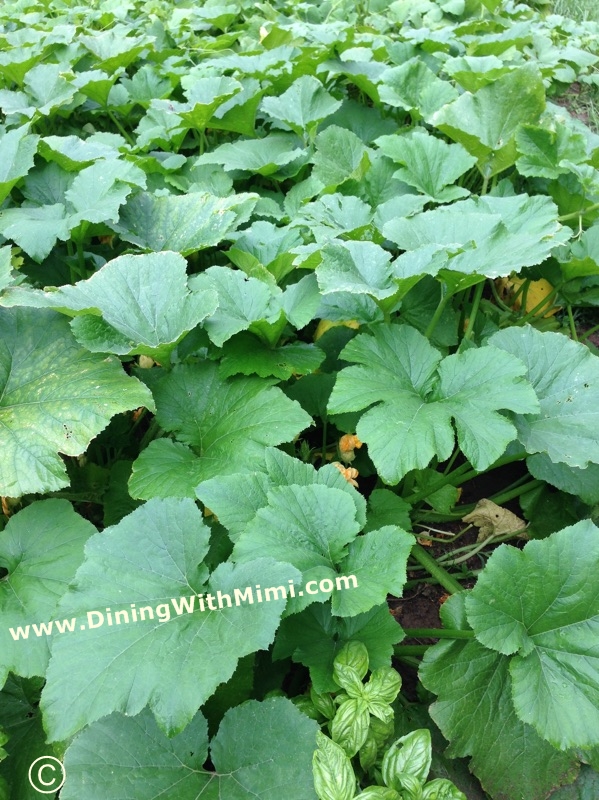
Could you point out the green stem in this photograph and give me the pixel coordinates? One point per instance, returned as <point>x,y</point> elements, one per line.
<point>498,299</point>
<point>72,269</point>
<point>81,259</point>
<point>436,633</point>
<point>452,562</point>
<point>572,323</point>
<point>576,214</point>
<point>499,499</point>
<point>430,564</point>
<point>410,649</point>
<point>471,573</point>
<point>460,475</point>
<point>451,461</point>
<point>445,298</point>
<point>444,480</point>
<point>590,332</point>
<point>154,432</point>
<point>410,661</point>
<point>544,302</point>
<point>506,496</point>
<point>478,293</point>
<point>122,130</point>
<point>525,287</point>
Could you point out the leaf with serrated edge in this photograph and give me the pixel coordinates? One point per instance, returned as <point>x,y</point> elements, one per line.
<point>144,301</point>
<point>489,236</point>
<point>241,301</point>
<point>542,603</point>
<point>565,376</point>
<point>41,547</point>
<point>303,105</point>
<point>356,267</point>
<point>378,561</point>
<point>17,149</point>
<point>485,122</point>
<point>245,766</point>
<point>227,423</point>
<point>475,712</point>
<point>429,164</point>
<point>165,469</point>
<point>235,499</point>
<point>314,637</point>
<point>307,526</point>
<point>412,421</point>
<point>151,556</point>
<point>55,397</point>
<point>415,88</point>
<point>183,223</point>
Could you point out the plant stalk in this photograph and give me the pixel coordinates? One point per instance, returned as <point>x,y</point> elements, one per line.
<point>436,633</point>
<point>478,293</point>
<point>449,583</point>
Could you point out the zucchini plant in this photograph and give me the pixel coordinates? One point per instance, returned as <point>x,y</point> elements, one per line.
<point>287,291</point>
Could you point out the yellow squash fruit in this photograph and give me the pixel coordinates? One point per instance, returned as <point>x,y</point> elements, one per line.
<point>537,292</point>
<point>324,325</point>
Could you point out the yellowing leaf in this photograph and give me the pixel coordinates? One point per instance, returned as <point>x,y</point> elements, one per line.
<point>493,520</point>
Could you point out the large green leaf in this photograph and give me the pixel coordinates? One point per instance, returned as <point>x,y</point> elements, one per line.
<point>227,423</point>
<point>204,96</point>
<point>261,156</point>
<point>144,304</point>
<point>235,499</point>
<point>17,149</point>
<point>153,557</point>
<point>314,528</point>
<point>114,47</point>
<point>35,228</point>
<point>302,106</point>
<point>242,300</point>
<point>489,236</point>
<point>417,395</point>
<point>55,397</point>
<point>98,191</point>
<point>356,267</point>
<point>475,712</point>
<point>541,604</point>
<point>415,88</point>
<point>184,223</point>
<point>582,482</point>
<point>21,719</point>
<point>565,376</point>
<point>314,637</point>
<point>334,216</point>
<point>545,152</point>
<point>340,156</point>
<point>165,469</point>
<point>47,89</point>
<point>41,547</point>
<point>72,153</point>
<point>248,355</point>
<point>151,765</point>
<point>429,164</point>
<point>264,245</point>
<point>485,123</point>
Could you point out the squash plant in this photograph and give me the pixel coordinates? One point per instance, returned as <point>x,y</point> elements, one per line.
<point>277,282</point>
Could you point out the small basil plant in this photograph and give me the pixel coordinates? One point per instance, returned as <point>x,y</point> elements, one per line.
<point>358,760</point>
